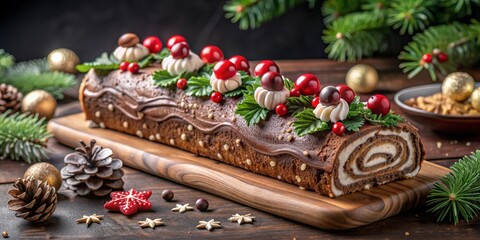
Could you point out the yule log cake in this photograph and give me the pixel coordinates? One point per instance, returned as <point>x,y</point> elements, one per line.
<point>325,140</point>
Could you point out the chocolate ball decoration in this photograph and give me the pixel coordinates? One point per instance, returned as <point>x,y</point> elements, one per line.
<point>272,81</point>
<point>308,84</point>
<point>128,40</point>
<point>329,96</point>
<point>167,195</point>
<point>458,86</point>
<point>180,50</point>
<point>201,204</point>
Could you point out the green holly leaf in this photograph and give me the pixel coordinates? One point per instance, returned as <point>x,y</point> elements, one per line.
<point>247,80</point>
<point>297,104</point>
<point>146,61</point>
<point>354,123</point>
<point>356,108</point>
<point>161,55</point>
<point>235,93</point>
<point>206,70</point>
<point>198,86</point>
<point>307,123</point>
<point>251,111</point>
<point>288,84</point>
<point>388,120</point>
<point>163,78</point>
<point>85,67</point>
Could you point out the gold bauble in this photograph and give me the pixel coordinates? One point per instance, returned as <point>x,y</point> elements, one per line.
<point>63,60</point>
<point>45,172</point>
<point>39,102</point>
<point>362,78</point>
<point>458,86</point>
<point>475,99</point>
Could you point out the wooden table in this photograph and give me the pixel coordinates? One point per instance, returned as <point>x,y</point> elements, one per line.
<point>414,224</point>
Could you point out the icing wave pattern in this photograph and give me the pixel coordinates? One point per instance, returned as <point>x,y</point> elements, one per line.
<point>332,113</point>
<point>131,54</point>
<point>270,99</point>
<point>223,86</point>
<point>374,157</point>
<point>175,67</point>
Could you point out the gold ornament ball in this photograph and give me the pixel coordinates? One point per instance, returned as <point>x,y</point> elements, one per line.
<point>475,99</point>
<point>458,86</point>
<point>362,78</point>
<point>39,102</point>
<point>63,60</point>
<point>45,172</point>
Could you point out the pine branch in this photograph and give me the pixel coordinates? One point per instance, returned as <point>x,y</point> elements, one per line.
<point>458,41</point>
<point>251,14</point>
<point>31,75</point>
<point>333,9</point>
<point>6,61</point>
<point>457,195</point>
<point>355,36</point>
<point>411,15</point>
<point>23,137</point>
<point>460,6</point>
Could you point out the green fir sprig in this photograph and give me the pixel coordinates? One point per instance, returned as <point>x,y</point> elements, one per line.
<point>34,74</point>
<point>23,137</point>
<point>457,195</point>
<point>6,61</point>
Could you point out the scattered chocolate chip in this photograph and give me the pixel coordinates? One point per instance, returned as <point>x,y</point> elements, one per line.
<point>201,204</point>
<point>167,195</point>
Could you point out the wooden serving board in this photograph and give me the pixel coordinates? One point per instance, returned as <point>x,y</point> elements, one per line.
<point>263,193</point>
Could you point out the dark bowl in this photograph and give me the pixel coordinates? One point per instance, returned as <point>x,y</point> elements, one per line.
<point>435,121</point>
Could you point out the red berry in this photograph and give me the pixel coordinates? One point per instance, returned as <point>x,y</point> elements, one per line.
<point>133,67</point>
<point>315,101</point>
<point>272,81</point>
<point>281,110</point>
<point>211,54</point>
<point>294,92</point>
<point>308,84</point>
<point>379,104</point>
<point>346,93</point>
<point>216,97</point>
<point>266,66</point>
<point>124,66</point>
<point>442,57</point>
<point>427,57</point>
<point>182,83</point>
<point>338,128</point>
<point>224,70</point>
<point>180,50</point>
<point>329,96</point>
<point>153,44</point>
<point>201,204</point>
<point>240,63</point>
<point>174,40</point>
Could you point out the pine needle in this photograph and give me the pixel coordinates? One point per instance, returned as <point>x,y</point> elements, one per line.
<point>457,195</point>
<point>23,137</point>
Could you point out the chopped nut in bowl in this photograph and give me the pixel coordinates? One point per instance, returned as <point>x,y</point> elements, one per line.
<point>427,107</point>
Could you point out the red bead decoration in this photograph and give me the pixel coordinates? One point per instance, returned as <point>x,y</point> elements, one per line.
<point>294,92</point>
<point>346,93</point>
<point>133,67</point>
<point>427,57</point>
<point>174,40</point>
<point>379,104</point>
<point>272,81</point>
<point>211,54</point>
<point>224,70</point>
<point>315,102</point>
<point>129,202</point>
<point>241,63</point>
<point>308,84</point>
<point>153,44</point>
<point>266,66</point>
<point>124,66</point>
<point>338,128</point>
<point>216,97</point>
<point>180,50</point>
<point>442,57</point>
<point>281,110</point>
<point>182,83</point>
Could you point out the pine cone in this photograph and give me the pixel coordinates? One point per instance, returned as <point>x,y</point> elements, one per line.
<point>10,98</point>
<point>35,200</point>
<point>91,169</point>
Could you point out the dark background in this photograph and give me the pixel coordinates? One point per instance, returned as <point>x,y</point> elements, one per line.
<point>31,29</point>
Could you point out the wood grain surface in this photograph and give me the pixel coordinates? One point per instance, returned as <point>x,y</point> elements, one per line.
<point>250,189</point>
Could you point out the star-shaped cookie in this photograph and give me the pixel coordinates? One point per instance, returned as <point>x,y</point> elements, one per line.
<point>182,208</point>
<point>94,218</point>
<point>151,223</point>
<point>210,225</point>
<point>129,202</point>
<point>247,218</point>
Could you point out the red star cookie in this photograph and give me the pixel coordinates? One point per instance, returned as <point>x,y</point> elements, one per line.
<point>129,202</point>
